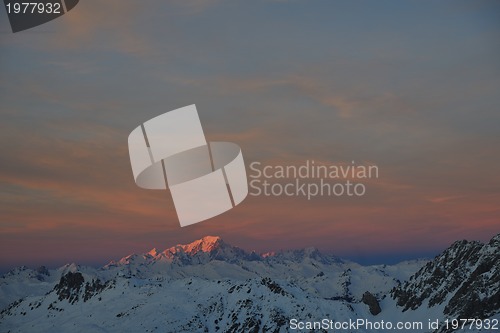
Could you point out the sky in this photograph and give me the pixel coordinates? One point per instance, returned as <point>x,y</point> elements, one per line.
<point>412,87</point>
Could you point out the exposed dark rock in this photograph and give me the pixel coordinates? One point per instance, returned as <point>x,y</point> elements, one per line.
<point>372,303</point>
<point>93,288</point>
<point>69,286</point>
<point>273,286</point>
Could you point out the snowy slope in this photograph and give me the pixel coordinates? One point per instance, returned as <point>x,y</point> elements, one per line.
<point>211,286</point>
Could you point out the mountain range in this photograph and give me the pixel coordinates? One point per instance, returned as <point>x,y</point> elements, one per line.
<point>211,286</point>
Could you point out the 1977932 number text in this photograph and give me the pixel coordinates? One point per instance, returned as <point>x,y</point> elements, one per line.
<point>33,8</point>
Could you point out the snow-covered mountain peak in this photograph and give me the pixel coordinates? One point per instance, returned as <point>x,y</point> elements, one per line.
<point>153,252</point>
<point>463,280</point>
<point>200,251</point>
<point>268,254</point>
<point>205,244</point>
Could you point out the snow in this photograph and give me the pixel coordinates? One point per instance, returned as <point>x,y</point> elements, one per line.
<point>211,286</point>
